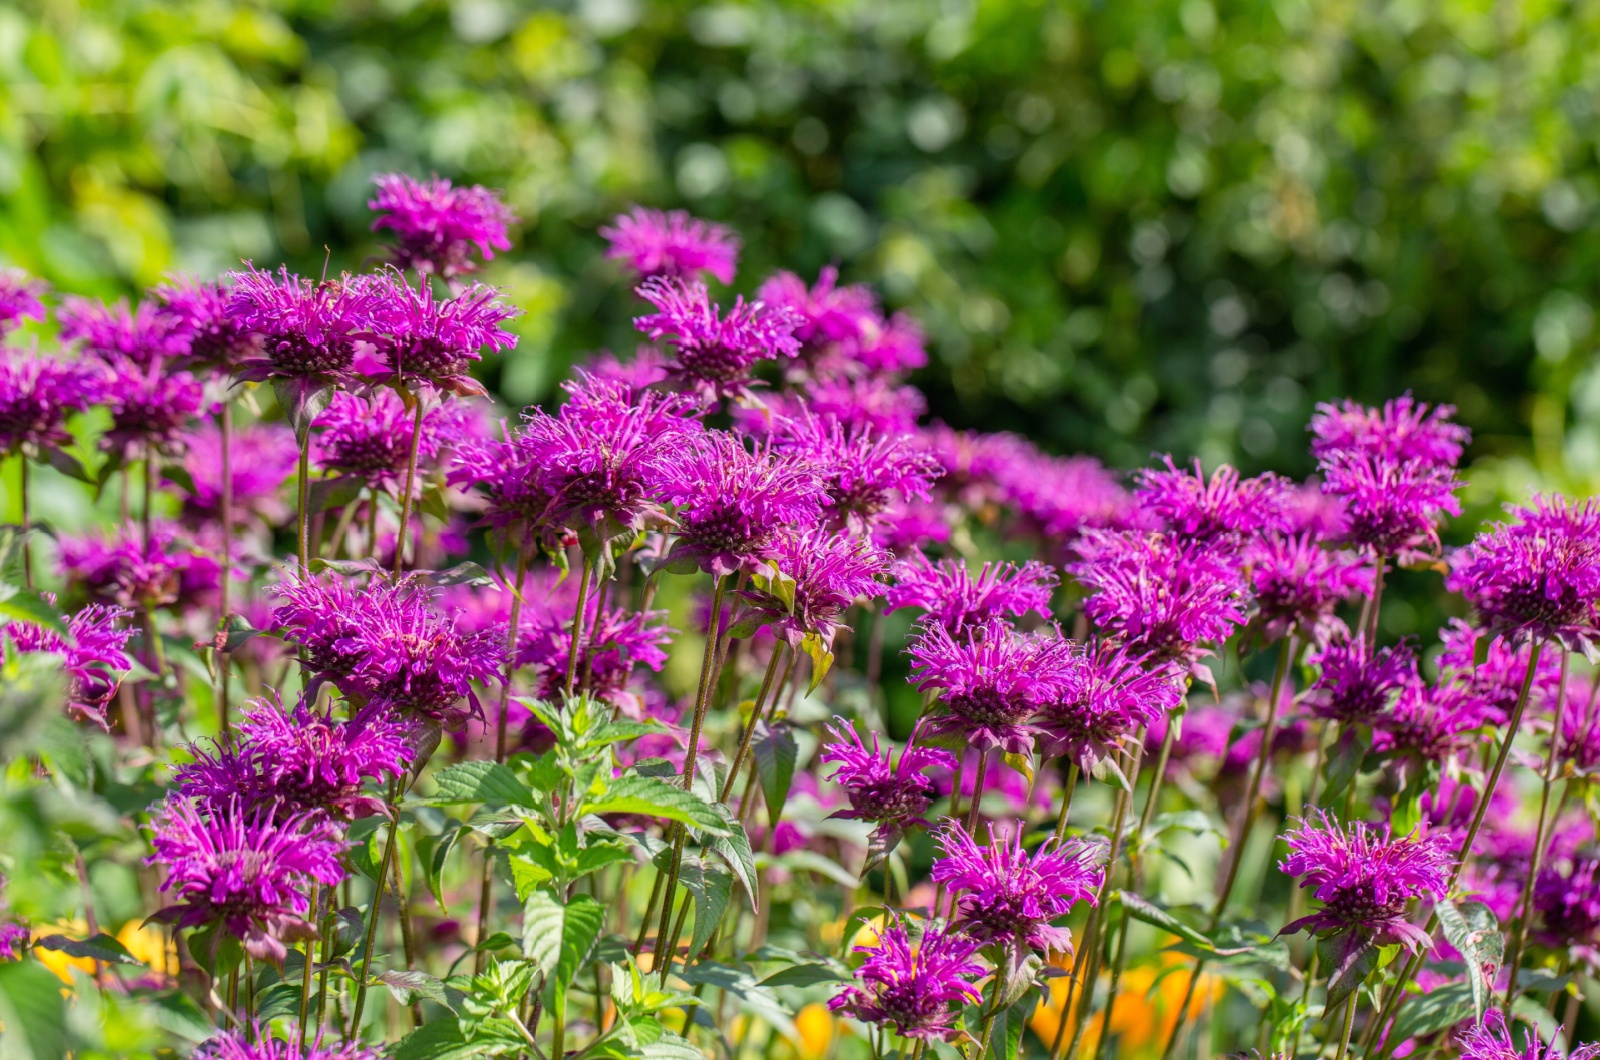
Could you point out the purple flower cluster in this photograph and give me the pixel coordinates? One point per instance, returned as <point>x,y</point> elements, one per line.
<point>94,655</point>
<point>438,226</point>
<point>1009,896</point>
<point>889,791</point>
<point>672,244</point>
<point>714,352</point>
<point>913,985</point>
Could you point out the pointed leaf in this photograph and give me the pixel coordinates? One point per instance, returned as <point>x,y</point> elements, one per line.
<point>1349,959</point>
<point>559,938</point>
<point>101,947</point>
<point>711,888</point>
<point>775,753</point>
<point>302,401</point>
<point>489,782</point>
<point>1475,933</point>
<point>656,797</point>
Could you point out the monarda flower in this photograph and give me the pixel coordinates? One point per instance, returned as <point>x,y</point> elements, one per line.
<point>864,473</point>
<point>262,457</point>
<point>437,226</point>
<point>369,437</point>
<point>829,573</point>
<point>127,571</point>
<point>613,643</point>
<point>868,403</point>
<point>308,329</point>
<point>1364,878</point>
<point>252,875</point>
<point>142,336</point>
<point>1056,498</point>
<point>954,598</point>
<point>1404,430</point>
<point>1537,579</point>
<point>1392,508</point>
<point>713,353</point>
<point>387,643</point>
<point>433,342</point>
<point>1431,724</point>
<point>1107,697</point>
<point>1492,1040</point>
<point>94,656</point>
<point>991,681</point>
<point>892,793</point>
<point>300,760</point>
<point>1010,897</point>
<point>1566,897</point>
<point>824,315</point>
<point>1497,678</point>
<point>671,244</point>
<point>20,299</point>
<point>913,986</point>
<point>151,406</point>
<point>37,394</point>
<point>1162,596</point>
<point>1225,507</point>
<point>1355,683</point>
<point>203,311</point>
<point>1298,584</point>
<point>261,1045</point>
<point>733,503</point>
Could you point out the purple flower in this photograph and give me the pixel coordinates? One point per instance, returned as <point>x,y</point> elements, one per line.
<point>150,406</point>
<point>250,874</point>
<point>1566,895</point>
<point>1402,431</point>
<point>20,296</point>
<point>300,760</point>
<point>868,403</point>
<point>1224,508</point>
<point>893,794</point>
<point>864,473</point>
<point>1364,878</point>
<point>308,329</point>
<point>426,341</point>
<point>733,504</point>
<point>991,681</point>
<point>1432,724</point>
<point>1057,498</point>
<point>126,571</point>
<point>829,571</point>
<point>1491,1040</point>
<point>614,642</point>
<point>260,1045</point>
<point>94,656</point>
<point>202,310</point>
<point>1163,596</point>
<point>903,527</point>
<point>1107,697</point>
<point>712,353</point>
<point>115,334</point>
<point>1298,584</point>
<point>825,314</point>
<point>1392,508</point>
<point>37,394</point>
<point>1537,579</point>
<point>388,643</point>
<point>955,599</point>
<point>1009,897</point>
<point>1497,679</point>
<point>15,940</point>
<point>262,457</point>
<point>370,437</point>
<point>1357,684</point>
<point>437,225</point>
<point>914,987</point>
<point>672,244</point>
<point>889,346</point>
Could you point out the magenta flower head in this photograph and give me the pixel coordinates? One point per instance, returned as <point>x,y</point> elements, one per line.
<point>20,299</point>
<point>369,437</point>
<point>388,643</point>
<point>1010,897</point>
<point>1298,584</point>
<point>150,406</point>
<point>672,244</point>
<point>1404,430</point>
<point>308,329</point>
<point>1225,507</point>
<point>125,570</point>
<point>954,598</point>
<point>1107,698</point>
<point>1537,579</point>
<point>1392,508</point>
<point>203,311</point>
<point>427,341</point>
<point>261,1045</point>
<point>263,457</point>
<point>914,985</point>
<point>829,571</point>
<point>1492,1040</point>
<point>864,473</point>
<point>94,656</point>
<point>615,642</point>
<point>867,403</point>
<point>892,793</point>
<point>1431,724</point>
<point>991,680</point>
<point>1496,678</point>
<point>1566,896</point>
<point>713,353</point>
<point>1162,596</point>
<point>37,394</point>
<point>252,874</point>
<point>734,503</point>
<point>1056,498</point>
<point>840,329</point>
<point>301,760</point>
<point>1364,877</point>
<point>438,226</point>
<point>1356,683</point>
<point>113,333</point>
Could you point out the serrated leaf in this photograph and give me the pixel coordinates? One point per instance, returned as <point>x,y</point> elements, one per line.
<point>1439,1009</point>
<point>560,937</point>
<point>1349,958</point>
<point>656,797</point>
<point>404,984</point>
<point>101,947</point>
<point>775,753</point>
<point>1473,930</point>
<point>486,782</point>
<point>453,1039</point>
<point>710,888</point>
<point>435,852</point>
<point>734,848</point>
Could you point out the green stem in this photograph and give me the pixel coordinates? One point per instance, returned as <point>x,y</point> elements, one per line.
<point>755,716</point>
<point>225,437</point>
<point>374,914</point>
<point>303,504</point>
<point>27,523</point>
<point>1349,1024</point>
<point>577,622</point>
<point>1066,800</point>
<point>405,498</point>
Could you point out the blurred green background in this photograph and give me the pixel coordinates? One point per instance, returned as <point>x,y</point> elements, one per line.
<point>1174,224</point>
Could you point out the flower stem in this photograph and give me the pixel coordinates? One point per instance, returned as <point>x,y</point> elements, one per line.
<point>225,436</point>
<point>1349,1024</point>
<point>1066,800</point>
<point>375,912</point>
<point>755,716</point>
<point>978,779</point>
<point>405,498</point>
<point>27,523</point>
<point>303,503</point>
<point>577,622</point>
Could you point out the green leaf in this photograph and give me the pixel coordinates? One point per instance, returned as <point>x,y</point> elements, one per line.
<point>1437,1010</point>
<point>656,797</point>
<point>1348,958</point>
<point>811,861</point>
<point>32,1011</point>
<point>775,753</point>
<point>734,848</point>
<point>70,466</point>
<point>671,1046</point>
<point>487,782</point>
<point>1475,933</point>
<point>302,401</point>
<point>465,573</point>
<point>435,853</point>
<point>811,974</point>
<point>25,605</point>
<point>1195,822</point>
<point>101,947</point>
<point>1345,763</point>
<point>1153,913</point>
<point>738,983</point>
<point>404,984</point>
<point>711,888</point>
<point>821,659</point>
<point>559,938</point>
<point>453,1039</point>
